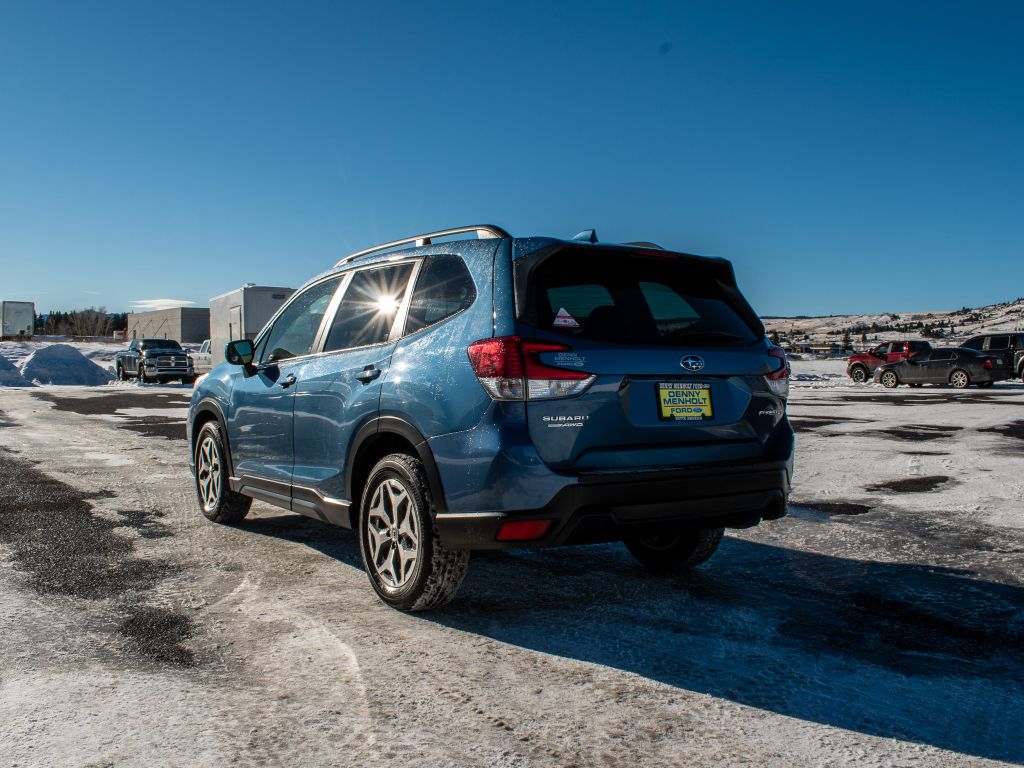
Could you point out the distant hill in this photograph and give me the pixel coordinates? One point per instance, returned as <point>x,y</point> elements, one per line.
<point>942,325</point>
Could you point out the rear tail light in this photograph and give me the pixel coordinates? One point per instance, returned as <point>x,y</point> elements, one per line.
<point>987,364</point>
<point>778,379</point>
<point>509,368</point>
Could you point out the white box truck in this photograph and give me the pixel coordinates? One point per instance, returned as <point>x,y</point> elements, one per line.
<point>19,319</point>
<point>241,314</point>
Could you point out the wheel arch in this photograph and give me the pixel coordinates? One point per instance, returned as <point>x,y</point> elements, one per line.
<point>206,411</point>
<point>376,439</point>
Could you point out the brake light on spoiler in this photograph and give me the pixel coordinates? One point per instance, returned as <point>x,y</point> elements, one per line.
<point>509,368</point>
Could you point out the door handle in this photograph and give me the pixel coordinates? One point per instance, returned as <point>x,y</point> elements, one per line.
<point>368,374</point>
<point>287,381</point>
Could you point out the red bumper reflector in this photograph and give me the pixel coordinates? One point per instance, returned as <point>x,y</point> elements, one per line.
<point>523,530</point>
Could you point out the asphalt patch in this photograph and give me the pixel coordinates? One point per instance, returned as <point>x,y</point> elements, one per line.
<point>1014,429</point>
<point>147,524</point>
<point>918,432</point>
<point>911,484</point>
<point>57,541</point>
<point>839,508</point>
<point>110,404</point>
<point>160,633</point>
<point>810,424</point>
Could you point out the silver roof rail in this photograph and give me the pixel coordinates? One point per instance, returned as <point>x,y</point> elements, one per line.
<point>483,231</point>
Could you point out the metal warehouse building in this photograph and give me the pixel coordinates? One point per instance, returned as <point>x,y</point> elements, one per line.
<point>189,324</point>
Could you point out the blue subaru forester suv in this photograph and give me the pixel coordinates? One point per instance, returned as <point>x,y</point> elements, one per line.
<point>468,390</point>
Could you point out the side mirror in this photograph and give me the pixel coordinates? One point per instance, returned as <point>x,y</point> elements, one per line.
<point>239,352</point>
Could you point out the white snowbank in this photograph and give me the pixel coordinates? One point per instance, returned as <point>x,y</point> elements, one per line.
<point>63,364</point>
<point>11,376</point>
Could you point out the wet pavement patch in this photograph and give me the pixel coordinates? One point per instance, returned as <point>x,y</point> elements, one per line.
<point>919,432</point>
<point>59,543</point>
<point>911,484</point>
<point>110,404</point>
<point>809,424</point>
<point>1014,429</point>
<point>159,634</point>
<point>147,524</point>
<point>839,508</point>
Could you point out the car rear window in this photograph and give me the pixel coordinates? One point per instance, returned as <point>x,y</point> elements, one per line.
<point>617,298</point>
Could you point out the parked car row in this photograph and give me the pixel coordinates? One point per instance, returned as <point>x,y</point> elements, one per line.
<point>981,360</point>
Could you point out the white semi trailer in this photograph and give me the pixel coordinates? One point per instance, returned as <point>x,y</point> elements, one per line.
<point>19,319</point>
<point>241,314</point>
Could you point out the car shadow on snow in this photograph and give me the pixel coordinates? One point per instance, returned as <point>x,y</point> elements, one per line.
<point>924,654</point>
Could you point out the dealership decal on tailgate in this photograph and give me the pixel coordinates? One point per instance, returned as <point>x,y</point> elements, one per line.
<point>684,401</point>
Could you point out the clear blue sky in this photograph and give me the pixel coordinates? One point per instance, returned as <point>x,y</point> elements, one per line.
<point>846,157</point>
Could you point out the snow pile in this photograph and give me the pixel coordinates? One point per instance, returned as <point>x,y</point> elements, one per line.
<point>10,376</point>
<point>63,364</point>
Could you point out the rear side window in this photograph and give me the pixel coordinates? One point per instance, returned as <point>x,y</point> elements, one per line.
<point>368,309</point>
<point>443,288</point>
<point>999,342</point>
<point>622,299</point>
<point>919,346</point>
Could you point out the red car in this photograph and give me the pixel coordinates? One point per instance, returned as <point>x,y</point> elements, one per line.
<point>862,365</point>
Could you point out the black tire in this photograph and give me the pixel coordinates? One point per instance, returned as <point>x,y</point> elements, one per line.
<point>188,380</point>
<point>960,378</point>
<point>915,385</point>
<point>675,551</point>
<point>985,384</point>
<point>223,505</point>
<point>889,379</point>
<point>397,494</point>
<point>860,374</point>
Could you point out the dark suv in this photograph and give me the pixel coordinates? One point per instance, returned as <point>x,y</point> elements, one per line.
<point>445,396</point>
<point>1008,347</point>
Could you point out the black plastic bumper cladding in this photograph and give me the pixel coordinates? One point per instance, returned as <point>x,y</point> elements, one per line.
<point>609,507</point>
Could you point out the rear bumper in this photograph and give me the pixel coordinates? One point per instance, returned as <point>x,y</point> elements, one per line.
<point>609,507</point>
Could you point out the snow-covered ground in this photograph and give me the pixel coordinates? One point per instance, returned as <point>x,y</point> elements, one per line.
<point>881,623</point>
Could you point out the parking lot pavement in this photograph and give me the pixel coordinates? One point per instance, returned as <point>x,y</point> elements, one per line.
<point>880,623</point>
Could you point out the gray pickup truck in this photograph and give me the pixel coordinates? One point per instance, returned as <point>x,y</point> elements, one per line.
<point>155,360</point>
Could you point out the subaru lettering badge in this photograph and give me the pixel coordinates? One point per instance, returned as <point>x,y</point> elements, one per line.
<point>692,363</point>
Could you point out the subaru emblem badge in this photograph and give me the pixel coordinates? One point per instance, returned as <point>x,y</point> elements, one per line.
<point>692,363</point>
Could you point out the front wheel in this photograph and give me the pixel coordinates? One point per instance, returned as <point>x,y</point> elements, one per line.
<point>409,567</point>
<point>859,374</point>
<point>889,380</point>
<point>665,551</point>
<point>216,499</point>
<point>960,379</point>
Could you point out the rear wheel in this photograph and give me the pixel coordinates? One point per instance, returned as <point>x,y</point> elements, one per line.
<point>889,380</point>
<point>960,379</point>
<point>985,384</point>
<point>216,499</point>
<point>916,385</point>
<point>666,551</point>
<point>859,374</point>
<point>409,567</point>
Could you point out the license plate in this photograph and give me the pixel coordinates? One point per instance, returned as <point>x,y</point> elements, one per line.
<point>684,401</point>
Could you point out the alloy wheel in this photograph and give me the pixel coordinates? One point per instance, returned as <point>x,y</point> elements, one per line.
<point>859,375</point>
<point>393,533</point>
<point>959,379</point>
<point>889,379</point>
<point>208,473</point>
